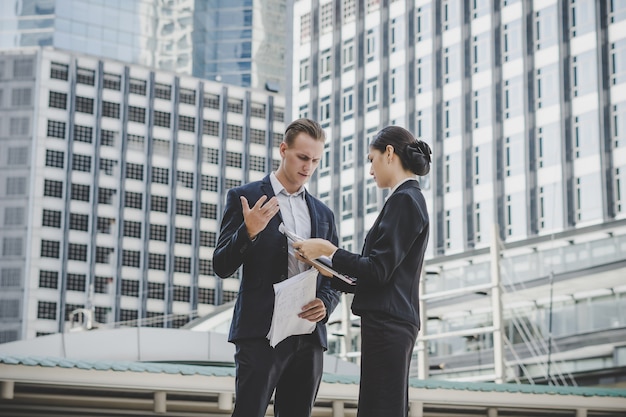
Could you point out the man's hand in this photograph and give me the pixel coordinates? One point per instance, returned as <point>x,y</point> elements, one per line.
<point>314,311</point>
<point>257,217</point>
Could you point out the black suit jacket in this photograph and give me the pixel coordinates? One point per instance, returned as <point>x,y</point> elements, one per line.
<point>265,261</point>
<point>388,269</point>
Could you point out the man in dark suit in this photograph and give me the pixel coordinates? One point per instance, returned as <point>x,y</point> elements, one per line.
<point>249,236</point>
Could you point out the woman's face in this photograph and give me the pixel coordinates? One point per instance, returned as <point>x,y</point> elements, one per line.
<point>380,167</point>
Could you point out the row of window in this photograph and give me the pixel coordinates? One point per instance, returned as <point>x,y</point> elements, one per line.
<point>161,91</point>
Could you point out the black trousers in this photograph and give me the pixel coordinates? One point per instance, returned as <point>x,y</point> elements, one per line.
<point>386,349</point>
<point>293,368</point>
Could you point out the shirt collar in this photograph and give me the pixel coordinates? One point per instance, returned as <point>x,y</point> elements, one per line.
<point>278,187</point>
<point>402,182</point>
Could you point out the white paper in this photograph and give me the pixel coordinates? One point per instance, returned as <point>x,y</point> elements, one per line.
<point>290,296</point>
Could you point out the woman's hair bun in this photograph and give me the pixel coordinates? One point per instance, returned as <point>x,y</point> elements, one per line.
<point>418,157</point>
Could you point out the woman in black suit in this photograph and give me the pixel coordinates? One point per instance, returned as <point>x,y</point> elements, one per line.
<point>387,271</point>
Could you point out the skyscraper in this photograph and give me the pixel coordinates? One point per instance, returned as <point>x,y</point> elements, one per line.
<point>236,42</point>
<point>110,183</point>
<point>523,104</point>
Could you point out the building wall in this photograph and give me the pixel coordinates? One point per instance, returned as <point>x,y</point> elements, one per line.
<point>128,169</point>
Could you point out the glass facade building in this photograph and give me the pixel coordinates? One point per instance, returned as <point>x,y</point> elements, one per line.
<point>111,177</point>
<point>236,42</point>
<point>523,105</point>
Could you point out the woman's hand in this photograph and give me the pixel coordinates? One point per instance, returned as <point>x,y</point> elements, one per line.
<point>313,248</point>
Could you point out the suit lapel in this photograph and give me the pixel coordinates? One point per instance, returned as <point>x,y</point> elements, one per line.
<point>312,213</point>
<point>268,190</point>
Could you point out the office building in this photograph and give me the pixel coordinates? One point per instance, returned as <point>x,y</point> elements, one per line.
<point>111,177</point>
<point>236,42</point>
<point>523,103</point>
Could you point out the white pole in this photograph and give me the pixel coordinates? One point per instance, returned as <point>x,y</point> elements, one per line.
<point>496,303</point>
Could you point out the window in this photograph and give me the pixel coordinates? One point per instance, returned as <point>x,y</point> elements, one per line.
<point>305,27</point>
<point>58,71</point>
<point>135,142</point>
<point>107,166</point>
<point>234,132</point>
<point>187,96</point>
<point>129,315</point>
<point>233,159</point>
<point>137,114</point>
<point>212,101</point>
<point>346,203</point>
<point>208,211</point>
<point>206,296</point>
<point>348,103</point>
<point>209,127</point>
<point>277,139</point>
<point>48,279</point>
<point>102,254</point>
<point>79,222</point>
<point>50,249</point>
<point>371,196</point>
<point>85,105</point>
<point>57,100</point>
<point>326,66</point>
<point>347,55</point>
<point>209,183</point>
<point>54,159</point>
<point>235,105</point>
<point>161,118</point>
<point>513,97</point>
<point>370,45</point>
<point>19,126</point>
<point>231,183</point>
<point>105,195</point>
<point>17,155</point>
<point>104,225</point>
<point>423,24</point>
<point>16,186</point>
<point>23,68</point>
<point>208,239</point>
<point>51,218</point>
<point>451,14</point>
<point>206,267</point>
<point>482,107</point>
<point>184,207</point>
<point>80,192</point>
<point>101,313</point>
<point>14,216</point>
<point>134,171</point>
<point>512,40</point>
<point>181,293</point>
<point>618,61</point>
<point>481,53</point>
<point>111,110</point>
<point>583,15</point>
<point>53,188</point>
<point>112,81</point>
<point>12,246</point>
<point>372,94</point>
<point>257,110</point>
<point>183,236</point>
<point>184,179</point>
<point>85,76</point>
<point>257,163</point>
<point>81,163</point>
<point>56,129</point>
<point>160,175</point>
<point>107,138</point>
<point>324,116</point>
<point>136,86</point>
<point>132,229</point>
<point>156,290</point>
<point>257,136</point>
<point>130,288</point>
<point>131,258</point>
<point>21,97</point>
<point>77,252</point>
<point>326,17</point>
<point>83,133</point>
<point>584,73</point>
<point>182,264</point>
<point>101,285</point>
<point>156,261</point>
<point>133,200</point>
<point>347,152</point>
<point>46,310</point>
<point>279,114</point>
<point>186,123</point>
<point>546,24</point>
<point>76,282</point>
<point>158,232</point>
<point>158,203</point>
<point>452,64</point>
<point>547,82</point>
<point>163,91</point>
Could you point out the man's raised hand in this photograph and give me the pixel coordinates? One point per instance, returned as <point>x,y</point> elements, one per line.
<point>258,216</point>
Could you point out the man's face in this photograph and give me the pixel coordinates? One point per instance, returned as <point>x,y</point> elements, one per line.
<point>299,161</point>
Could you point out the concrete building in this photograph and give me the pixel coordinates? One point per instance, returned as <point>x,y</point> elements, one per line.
<point>111,177</point>
<point>523,103</point>
<point>238,42</point>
